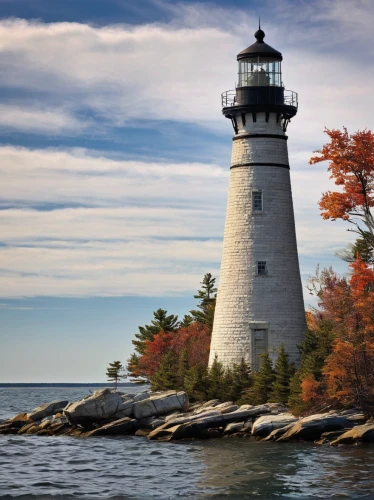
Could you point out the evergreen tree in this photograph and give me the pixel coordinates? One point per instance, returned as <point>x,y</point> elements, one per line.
<point>216,380</point>
<point>315,348</point>
<point>295,403</point>
<point>207,301</point>
<point>161,321</point>
<point>195,382</point>
<point>132,364</point>
<point>115,372</point>
<point>242,379</point>
<point>166,376</point>
<point>263,381</point>
<point>186,321</point>
<point>281,388</point>
<point>183,368</point>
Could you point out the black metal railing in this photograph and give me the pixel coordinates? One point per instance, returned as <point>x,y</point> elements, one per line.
<point>230,97</point>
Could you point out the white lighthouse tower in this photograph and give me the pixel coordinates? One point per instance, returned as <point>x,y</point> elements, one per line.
<point>260,301</point>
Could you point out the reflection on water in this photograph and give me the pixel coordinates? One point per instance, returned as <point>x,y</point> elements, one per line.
<point>249,469</point>
<point>135,468</point>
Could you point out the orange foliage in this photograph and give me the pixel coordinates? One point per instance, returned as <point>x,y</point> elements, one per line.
<point>348,373</point>
<point>309,388</point>
<point>351,164</point>
<point>194,338</point>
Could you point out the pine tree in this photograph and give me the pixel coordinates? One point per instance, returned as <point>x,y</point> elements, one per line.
<point>295,403</point>
<point>195,382</point>
<point>281,388</point>
<point>263,381</point>
<point>242,379</point>
<point>207,301</point>
<point>183,368</point>
<point>216,380</point>
<point>161,321</point>
<point>166,376</point>
<point>186,321</point>
<point>115,372</point>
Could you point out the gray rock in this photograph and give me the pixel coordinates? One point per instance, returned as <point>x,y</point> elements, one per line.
<point>234,427</point>
<point>120,427</point>
<point>264,425</point>
<point>229,409</point>
<point>104,404</point>
<point>142,395</point>
<point>47,410</point>
<point>151,422</point>
<point>359,434</point>
<point>160,404</point>
<point>277,433</point>
<point>310,428</point>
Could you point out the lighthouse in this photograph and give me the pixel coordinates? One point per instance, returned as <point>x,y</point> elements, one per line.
<point>259,302</point>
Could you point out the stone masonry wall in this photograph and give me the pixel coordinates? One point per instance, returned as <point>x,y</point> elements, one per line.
<point>245,299</point>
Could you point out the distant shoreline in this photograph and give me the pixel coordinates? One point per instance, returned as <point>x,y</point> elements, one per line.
<point>65,384</point>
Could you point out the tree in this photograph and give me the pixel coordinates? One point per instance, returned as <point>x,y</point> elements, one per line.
<point>161,321</point>
<point>351,164</point>
<point>280,390</point>
<point>263,381</point>
<point>186,321</point>
<point>242,379</point>
<point>215,380</point>
<point>165,377</point>
<point>115,372</point>
<point>207,302</point>
<point>195,382</point>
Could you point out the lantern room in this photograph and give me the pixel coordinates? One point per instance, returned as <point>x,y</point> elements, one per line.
<point>260,65</point>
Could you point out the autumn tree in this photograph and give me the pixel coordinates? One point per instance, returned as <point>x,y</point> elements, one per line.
<point>115,372</point>
<point>351,166</point>
<point>161,321</point>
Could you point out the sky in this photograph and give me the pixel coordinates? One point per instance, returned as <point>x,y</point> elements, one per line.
<point>114,160</point>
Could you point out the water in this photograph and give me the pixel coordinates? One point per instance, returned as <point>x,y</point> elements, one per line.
<point>135,468</point>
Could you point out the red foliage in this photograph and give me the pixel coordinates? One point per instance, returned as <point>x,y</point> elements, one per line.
<point>194,338</point>
<point>351,163</point>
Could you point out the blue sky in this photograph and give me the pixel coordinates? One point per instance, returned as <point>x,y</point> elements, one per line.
<point>114,159</point>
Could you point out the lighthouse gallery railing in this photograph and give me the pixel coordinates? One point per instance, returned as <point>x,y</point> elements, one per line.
<point>229,98</point>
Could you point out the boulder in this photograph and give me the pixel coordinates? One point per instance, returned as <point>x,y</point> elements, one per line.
<point>229,409</point>
<point>150,423</point>
<point>103,404</point>
<point>277,433</point>
<point>142,395</point>
<point>117,428</point>
<point>234,427</point>
<point>359,434</point>
<point>310,428</point>
<point>160,404</point>
<point>47,410</point>
<point>264,425</point>
<point>196,426</point>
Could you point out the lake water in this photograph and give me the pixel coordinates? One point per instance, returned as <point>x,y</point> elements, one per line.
<point>135,468</point>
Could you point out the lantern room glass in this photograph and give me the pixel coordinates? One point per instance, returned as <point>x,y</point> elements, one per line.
<point>260,72</point>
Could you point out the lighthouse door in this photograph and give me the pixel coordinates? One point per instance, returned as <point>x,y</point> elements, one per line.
<point>259,346</point>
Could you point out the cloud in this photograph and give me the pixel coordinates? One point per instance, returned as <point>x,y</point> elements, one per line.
<point>149,228</point>
<point>177,70</point>
<point>38,120</point>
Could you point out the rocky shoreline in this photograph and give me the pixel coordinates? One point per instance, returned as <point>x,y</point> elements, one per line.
<point>168,416</point>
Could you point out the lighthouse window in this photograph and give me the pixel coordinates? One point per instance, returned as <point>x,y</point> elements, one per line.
<point>259,72</point>
<point>257,201</point>
<point>261,267</point>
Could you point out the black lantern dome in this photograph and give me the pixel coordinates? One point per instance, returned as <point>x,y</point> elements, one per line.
<point>260,49</point>
<point>260,87</point>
